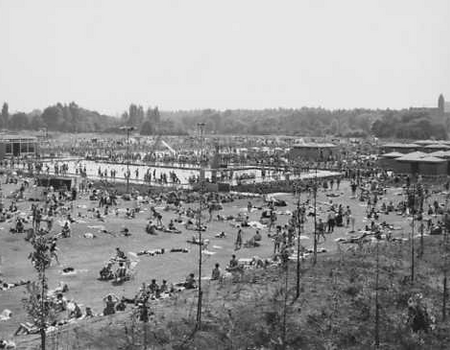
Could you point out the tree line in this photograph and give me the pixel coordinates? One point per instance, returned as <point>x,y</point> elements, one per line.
<point>405,124</point>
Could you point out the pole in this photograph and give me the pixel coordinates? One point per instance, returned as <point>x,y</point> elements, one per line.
<point>444,282</point>
<point>128,160</point>
<point>315,217</point>
<point>377,306</point>
<point>412,233</point>
<point>299,229</point>
<point>422,248</point>
<point>43,311</point>
<point>285,305</point>
<point>200,292</point>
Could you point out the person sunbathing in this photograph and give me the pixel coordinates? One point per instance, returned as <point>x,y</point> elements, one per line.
<point>172,226</point>
<point>19,226</point>
<point>190,282</point>
<point>216,273</point>
<point>251,243</point>
<point>65,232</point>
<point>153,287</point>
<point>128,214</point>
<point>121,305</point>
<point>75,311</point>
<point>60,303</point>
<point>233,265</point>
<point>7,344</point>
<point>106,272</point>
<point>110,301</point>
<point>27,328</point>
<point>125,231</point>
<point>151,229</point>
<point>164,288</point>
<point>120,254</point>
<point>258,262</point>
<point>88,313</point>
<point>121,272</point>
<point>98,216</point>
<point>196,227</point>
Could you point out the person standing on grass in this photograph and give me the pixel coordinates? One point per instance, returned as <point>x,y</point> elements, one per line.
<point>321,230</point>
<point>277,243</point>
<point>53,250</point>
<point>210,211</point>
<point>348,214</point>
<point>238,243</point>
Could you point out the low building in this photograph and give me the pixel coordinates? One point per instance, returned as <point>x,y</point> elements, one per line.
<point>399,147</point>
<point>409,163</point>
<point>419,163</point>
<point>18,146</point>
<point>433,166</point>
<point>388,161</point>
<point>313,151</point>
<point>436,147</point>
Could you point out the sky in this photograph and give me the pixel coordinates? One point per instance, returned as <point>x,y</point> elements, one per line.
<point>229,54</point>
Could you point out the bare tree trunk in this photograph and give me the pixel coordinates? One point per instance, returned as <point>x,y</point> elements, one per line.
<point>42,320</point>
<point>285,305</point>
<point>444,297</point>
<point>42,332</point>
<point>377,306</point>
<point>299,231</point>
<point>315,217</point>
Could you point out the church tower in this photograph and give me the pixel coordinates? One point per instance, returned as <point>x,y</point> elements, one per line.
<point>441,104</point>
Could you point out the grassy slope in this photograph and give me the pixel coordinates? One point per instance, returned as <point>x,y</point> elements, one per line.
<point>335,310</point>
<point>241,299</point>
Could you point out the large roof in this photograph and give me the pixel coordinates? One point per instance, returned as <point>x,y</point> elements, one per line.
<point>440,154</point>
<point>431,159</point>
<point>420,157</point>
<point>314,145</point>
<point>400,145</point>
<point>437,146</point>
<point>424,142</point>
<point>9,137</point>
<point>412,157</point>
<point>392,155</point>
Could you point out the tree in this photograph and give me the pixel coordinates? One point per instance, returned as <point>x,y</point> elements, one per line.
<point>19,121</point>
<point>53,117</point>
<point>4,116</point>
<point>147,128</point>
<point>36,122</point>
<point>441,104</point>
<point>37,304</point>
<point>136,115</point>
<point>157,116</point>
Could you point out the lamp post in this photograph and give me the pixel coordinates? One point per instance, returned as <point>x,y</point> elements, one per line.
<point>128,129</point>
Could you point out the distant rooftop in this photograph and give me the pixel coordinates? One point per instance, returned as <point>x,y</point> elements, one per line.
<point>9,137</point>
<point>437,146</point>
<point>412,157</point>
<point>314,145</point>
<point>400,145</point>
<point>447,107</point>
<point>392,155</point>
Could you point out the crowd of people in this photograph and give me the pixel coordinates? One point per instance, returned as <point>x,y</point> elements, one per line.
<point>367,183</point>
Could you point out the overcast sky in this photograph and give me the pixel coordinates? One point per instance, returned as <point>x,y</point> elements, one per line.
<point>191,54</point>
